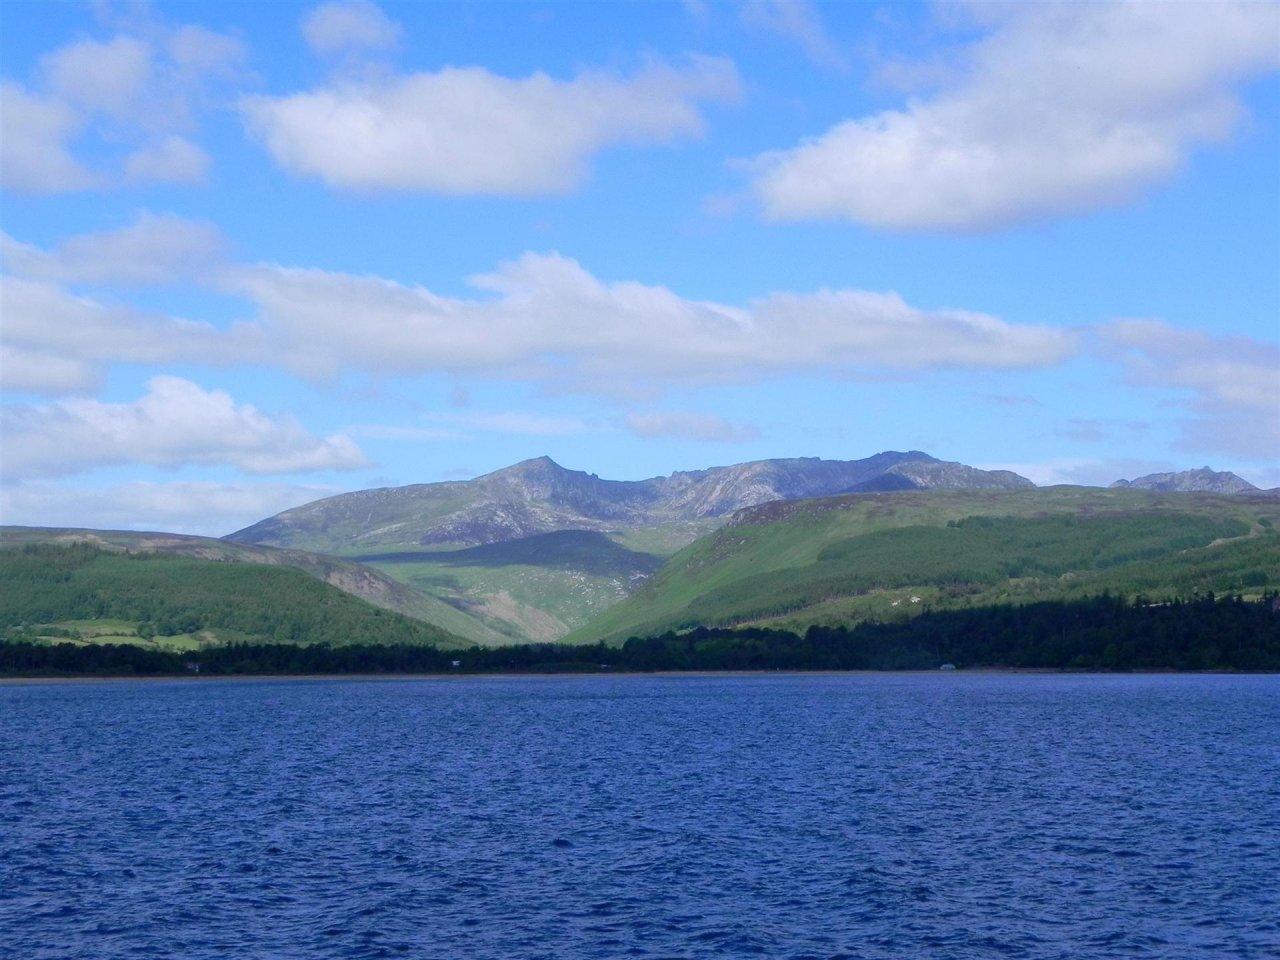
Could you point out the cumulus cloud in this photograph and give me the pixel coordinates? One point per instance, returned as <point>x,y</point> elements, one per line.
<point>1062,108</point>
<point>55,342</point>
<point>354,24</point>
<point>154,249</point>
<point>201,508</point>
<point>687,425</point>
<point>545,318</point>
<point>107,77</point>
<point>176,423</point>
<point>105,112</point>
<point>469,131</point>
<point>35,133</point>
<point>1227,384</point>
<point>541,319</point>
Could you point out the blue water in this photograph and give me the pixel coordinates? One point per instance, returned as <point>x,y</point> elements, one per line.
<point>868,816</point>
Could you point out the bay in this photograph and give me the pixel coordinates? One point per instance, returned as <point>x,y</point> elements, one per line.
<point>790,816</point>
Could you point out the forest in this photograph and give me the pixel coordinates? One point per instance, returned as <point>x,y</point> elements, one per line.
<point>167,596</point>
<point>1099,634</point>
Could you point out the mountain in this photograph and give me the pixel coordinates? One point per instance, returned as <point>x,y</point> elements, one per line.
<point>534,551</point>
<point>540,496</point>
<point>1203,480</point>
<point>888,556</point>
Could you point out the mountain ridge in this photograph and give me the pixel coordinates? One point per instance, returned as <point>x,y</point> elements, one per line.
<point>541,519</point>
<point>1200,480</point>
<point>540,496</point>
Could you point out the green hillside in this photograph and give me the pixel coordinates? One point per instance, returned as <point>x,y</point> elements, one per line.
<point>534,588</point>
<point>889,556</point>
<point>358,579</point>
<point>82,592</point>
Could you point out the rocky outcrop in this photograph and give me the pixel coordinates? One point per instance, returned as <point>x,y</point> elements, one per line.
<point>1203,480</point>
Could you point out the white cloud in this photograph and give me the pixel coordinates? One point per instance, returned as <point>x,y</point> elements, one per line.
<point>174,424</point>
<point>126,103</point>
<point>55,342</point>
<point>353,24</point>
<point>201,508</point>
<point>799,22</point>
<point>154,249</point>
<point>109,78</point>
<point>1065,108</point>
<point>469,131</point>
<point>541,318</point>
<point>547,319</point>
<point>170,160</point>
<point>34,135</point>
<point>32,370</point>
<point>198,52</point>
<point>687,425</point>
<point>1228,384</point>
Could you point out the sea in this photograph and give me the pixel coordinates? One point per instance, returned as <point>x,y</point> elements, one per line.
<point>947,815</point>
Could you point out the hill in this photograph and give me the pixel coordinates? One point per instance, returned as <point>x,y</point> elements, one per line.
<point>533,551</point>
<point>889,556</point>
<point>351,577</point>
<point>81,591</point>
<point>1203,480</point>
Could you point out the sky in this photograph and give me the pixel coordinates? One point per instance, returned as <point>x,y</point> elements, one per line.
<point>254,254</point>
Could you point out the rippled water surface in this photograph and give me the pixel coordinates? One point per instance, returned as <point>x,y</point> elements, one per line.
<point>778,816</point>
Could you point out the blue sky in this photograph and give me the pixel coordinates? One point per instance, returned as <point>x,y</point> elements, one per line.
<point>254,254</point>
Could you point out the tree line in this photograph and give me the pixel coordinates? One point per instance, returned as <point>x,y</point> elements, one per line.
<point>1099,633</point>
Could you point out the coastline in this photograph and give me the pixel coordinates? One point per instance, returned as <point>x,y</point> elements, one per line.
<point>567,675</point>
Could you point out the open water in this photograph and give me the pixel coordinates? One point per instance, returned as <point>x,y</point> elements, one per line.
<point>862,816</point>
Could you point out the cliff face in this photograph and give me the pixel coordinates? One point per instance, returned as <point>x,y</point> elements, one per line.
<point>539,496</point>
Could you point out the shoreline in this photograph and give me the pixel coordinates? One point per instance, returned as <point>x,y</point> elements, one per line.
<point>567,675</point>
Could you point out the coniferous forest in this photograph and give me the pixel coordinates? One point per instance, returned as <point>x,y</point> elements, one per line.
<point>1102,633</point>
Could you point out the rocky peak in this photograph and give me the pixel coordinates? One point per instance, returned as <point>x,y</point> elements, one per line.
<point>1203,480</point>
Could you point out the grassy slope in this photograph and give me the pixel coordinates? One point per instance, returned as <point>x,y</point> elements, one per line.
<point>184,601</point>
<point>536,588</point>
<point>842,559</point>
<point>357,579</point>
